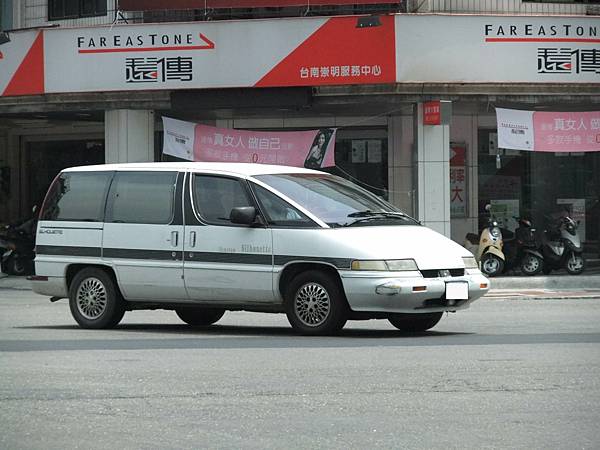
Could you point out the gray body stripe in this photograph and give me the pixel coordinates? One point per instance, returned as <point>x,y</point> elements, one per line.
<point>59,250</point>
<point>162,255</point>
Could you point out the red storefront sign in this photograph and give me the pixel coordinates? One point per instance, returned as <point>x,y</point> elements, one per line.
<point>432,113</point>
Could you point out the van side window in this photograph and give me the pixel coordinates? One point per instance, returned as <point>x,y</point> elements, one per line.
<point>215,197</point>
<point>142,197</point>
<point>279,212</point>
<point>77,196</point>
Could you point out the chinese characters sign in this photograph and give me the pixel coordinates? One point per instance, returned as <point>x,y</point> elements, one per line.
<point>312,149</point>
<point>458,181</point>
<point>432,114</point>
<point>153,70</point>
<point>546,131</point>
<point>568,60</point>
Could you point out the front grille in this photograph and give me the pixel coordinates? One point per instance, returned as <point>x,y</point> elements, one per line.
<point>441,273</point>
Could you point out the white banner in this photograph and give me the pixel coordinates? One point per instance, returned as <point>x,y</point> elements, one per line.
<point>515,129</point>
<point>178,138</point>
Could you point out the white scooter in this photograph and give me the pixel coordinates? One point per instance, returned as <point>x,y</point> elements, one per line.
<point>488,251</point>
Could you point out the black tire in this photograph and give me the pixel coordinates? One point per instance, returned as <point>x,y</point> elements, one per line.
<point>95,300</point>
<point>14,266</point>
<point>491,265</point>
<point>200,317</point>
<point>315,304</point>
<point>575,265</point>
<point>415,322</point>
<point>531,264</point>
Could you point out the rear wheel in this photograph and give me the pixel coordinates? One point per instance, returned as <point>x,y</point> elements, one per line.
<point>531,264</point>
<point>575,264</point>
<point>95,300</point>
<point>491,265</point>
<point>315,304</point>
<point>200,317</point>
<point>415,322</point>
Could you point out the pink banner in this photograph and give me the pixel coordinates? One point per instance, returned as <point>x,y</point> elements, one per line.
<point>566,131</point>
<point>312,149</point>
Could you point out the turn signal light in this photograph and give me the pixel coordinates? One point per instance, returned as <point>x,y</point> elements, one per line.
<point>483,286</point>
<point>419,288</point>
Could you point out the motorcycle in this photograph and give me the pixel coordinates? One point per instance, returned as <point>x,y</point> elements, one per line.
<point>523,249</point>
<point>489,249</point>
<point>561,246</point>
<point>18,243</point>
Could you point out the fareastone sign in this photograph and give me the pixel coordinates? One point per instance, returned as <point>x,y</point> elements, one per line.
<point>497,49</point>
<point>546,131</point>
<point>309,51</point>
<point>196,142</point>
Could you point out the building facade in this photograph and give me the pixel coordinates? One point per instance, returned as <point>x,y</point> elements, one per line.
<point>88,82</point>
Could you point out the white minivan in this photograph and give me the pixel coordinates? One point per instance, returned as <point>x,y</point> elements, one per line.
<point>203,238</point>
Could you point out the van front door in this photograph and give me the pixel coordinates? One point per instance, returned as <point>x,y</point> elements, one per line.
<point>143,234</point>
<point>224,262</point>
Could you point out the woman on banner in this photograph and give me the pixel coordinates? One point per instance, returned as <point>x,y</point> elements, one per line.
<point>315,156</point>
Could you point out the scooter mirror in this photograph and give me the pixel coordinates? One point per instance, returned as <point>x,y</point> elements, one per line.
<point>488,207</point>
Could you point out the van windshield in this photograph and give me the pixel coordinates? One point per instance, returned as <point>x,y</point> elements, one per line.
<point>336,201</point>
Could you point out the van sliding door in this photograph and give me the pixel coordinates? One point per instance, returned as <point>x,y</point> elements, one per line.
<point>143,234</point>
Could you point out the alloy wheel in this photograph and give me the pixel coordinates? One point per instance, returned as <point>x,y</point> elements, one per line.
<point>91,298</point>
<point>312,304</point>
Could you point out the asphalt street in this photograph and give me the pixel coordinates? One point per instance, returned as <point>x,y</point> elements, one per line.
<point>508,373</point>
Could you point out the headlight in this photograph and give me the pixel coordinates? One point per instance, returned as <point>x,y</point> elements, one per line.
<point>393,265</point>
<point>470,262</point>
<point>495,232</point>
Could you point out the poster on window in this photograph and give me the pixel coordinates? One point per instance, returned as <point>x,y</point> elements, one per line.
<point>548,131</point>
<point>458,181</point>
<point>312,149</point>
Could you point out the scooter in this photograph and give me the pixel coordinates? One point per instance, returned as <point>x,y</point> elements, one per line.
<point>561,247</point>
<point>489,251</point>
<point>523,250</point>
<point>18,242</point>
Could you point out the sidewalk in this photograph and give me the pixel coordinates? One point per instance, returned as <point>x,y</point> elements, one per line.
<point>554,286</point>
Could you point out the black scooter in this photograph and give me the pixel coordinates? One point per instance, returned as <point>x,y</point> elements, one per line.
<point>17,243</point>
<point>522,248</point>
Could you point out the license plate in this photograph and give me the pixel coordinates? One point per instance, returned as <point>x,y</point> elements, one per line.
<point>457,290</point>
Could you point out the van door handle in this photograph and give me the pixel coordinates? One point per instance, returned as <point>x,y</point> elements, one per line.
<point>193,239</point>
<point>174,238</point>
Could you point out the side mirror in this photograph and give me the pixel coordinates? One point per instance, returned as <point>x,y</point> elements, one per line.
<point>488,207</point>
<point>243,215</point>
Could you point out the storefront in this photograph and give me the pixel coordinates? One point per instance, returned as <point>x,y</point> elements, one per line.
<point>368,80</point>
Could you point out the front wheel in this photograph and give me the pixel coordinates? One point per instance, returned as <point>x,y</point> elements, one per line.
<point>95,300</point>
<point>531,264</point>
<point>491,265</point>
<point>575,264</point>
<point>315,304</point>
<point>415,322</point>
<point>200,317</point>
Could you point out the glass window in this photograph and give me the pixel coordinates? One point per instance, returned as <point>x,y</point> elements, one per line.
<point>215,197</point>
<point>69,9</point>
<point>142,197</point>
<point>78,197</point>
<point>335,200</point>
<point>279,212</point>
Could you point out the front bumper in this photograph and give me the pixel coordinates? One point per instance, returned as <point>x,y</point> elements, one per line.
<point>408,292</point>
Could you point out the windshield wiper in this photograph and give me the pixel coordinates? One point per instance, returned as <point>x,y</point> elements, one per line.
<point>368,213</point>
<point>376,216</point>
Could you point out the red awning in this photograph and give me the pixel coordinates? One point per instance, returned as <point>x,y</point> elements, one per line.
<point>147,5</point>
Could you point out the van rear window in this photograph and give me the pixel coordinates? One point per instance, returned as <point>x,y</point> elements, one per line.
<point>77,197</point>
